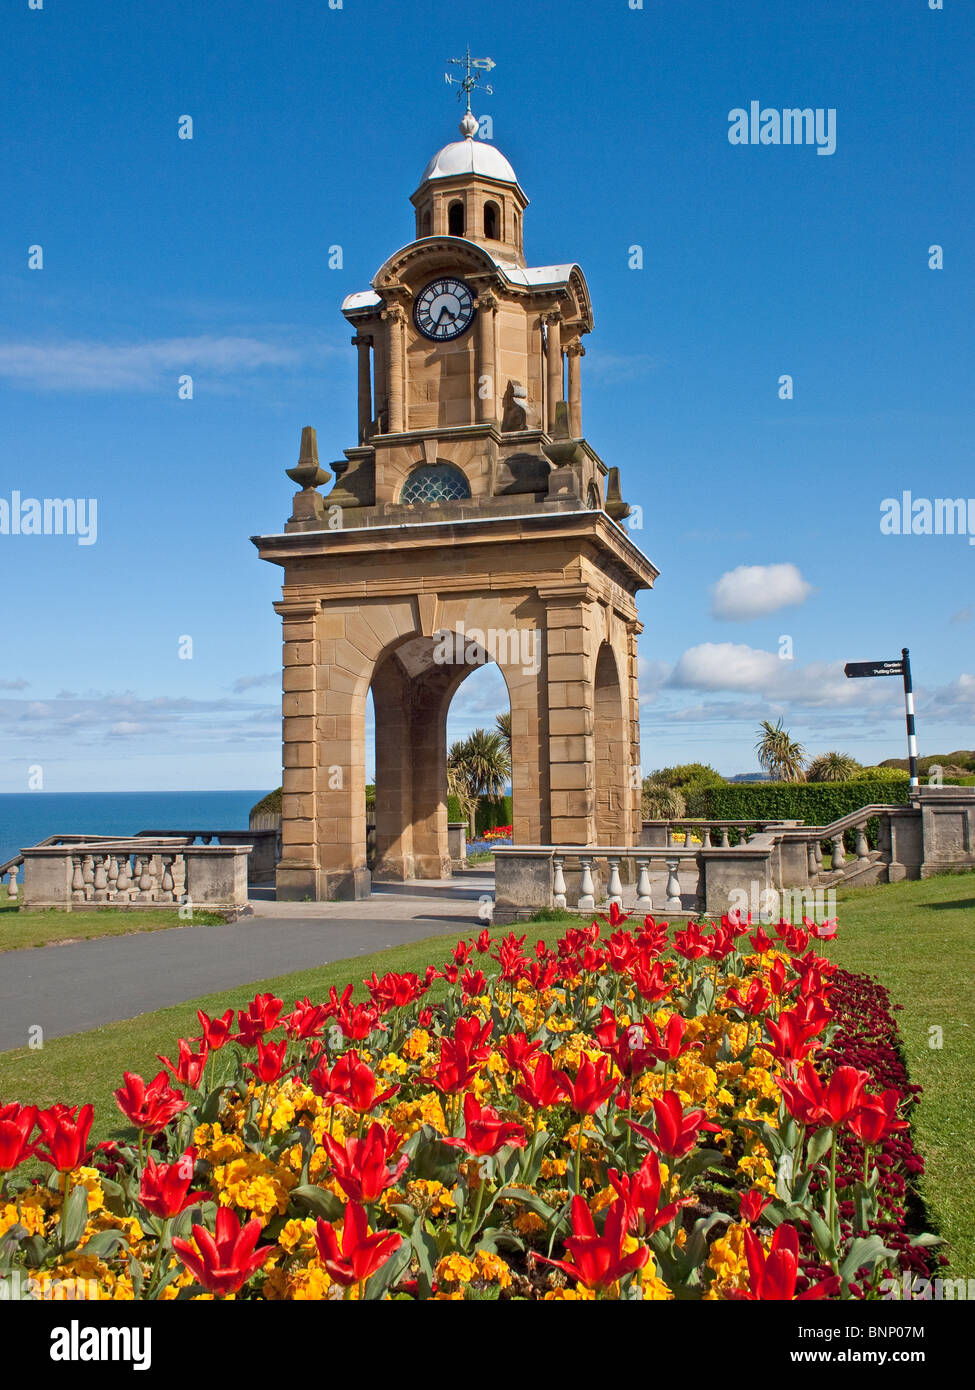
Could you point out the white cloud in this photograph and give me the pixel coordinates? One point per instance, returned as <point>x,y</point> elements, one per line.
<point>751,591</point>
<point>243,683</point>
<point>18,684</point>
<point>78,365</point>
<point>725,666</point>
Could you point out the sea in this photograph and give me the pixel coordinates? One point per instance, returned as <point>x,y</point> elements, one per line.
<point>27,817</point>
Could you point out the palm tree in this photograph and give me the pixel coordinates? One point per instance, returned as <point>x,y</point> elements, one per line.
<point>502,723</point>
<point>477,766</point>
<point>661,802</point>
<point>832,767</point>
<point>781,757</point>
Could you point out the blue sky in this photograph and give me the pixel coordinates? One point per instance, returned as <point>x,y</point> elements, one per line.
<point>164,256</point>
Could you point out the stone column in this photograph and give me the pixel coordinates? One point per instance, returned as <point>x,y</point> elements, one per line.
<point>575,352</point>
<point>299,872</point>
<point>395,318</point>
<point>553,366</point>
<point>568,669</point>
<point>363,342</point>
<point>486,365</point>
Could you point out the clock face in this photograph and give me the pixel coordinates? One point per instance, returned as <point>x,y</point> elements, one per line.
<point>444,310</point>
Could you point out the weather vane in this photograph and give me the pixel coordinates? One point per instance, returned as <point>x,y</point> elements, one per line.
<point>471,81</point>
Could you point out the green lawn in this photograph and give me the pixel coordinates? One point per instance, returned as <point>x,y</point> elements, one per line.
<point>50,926</point>
<point>919,940</point>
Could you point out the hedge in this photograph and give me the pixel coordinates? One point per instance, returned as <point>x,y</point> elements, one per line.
<point>488,814</point>
<point>816,803</point>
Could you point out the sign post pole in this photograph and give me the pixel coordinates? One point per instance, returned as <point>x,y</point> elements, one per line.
<point>858,669</point>
<point>909,705</point>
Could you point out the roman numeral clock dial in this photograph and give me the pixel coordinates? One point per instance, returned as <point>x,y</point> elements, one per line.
<point>444,310</point>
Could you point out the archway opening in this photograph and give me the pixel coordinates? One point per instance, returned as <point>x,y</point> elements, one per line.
<point>455,219</point>
<point>479,752</point>
<point>492,222</point>
<point>610,751</point>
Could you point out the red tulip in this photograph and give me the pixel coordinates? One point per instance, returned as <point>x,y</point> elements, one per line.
<point>810,1101</point>
<point>270,1060</point>
<point>592,1087</point>
<point>165,1187</point>
<point>790,1039</point>
<point>510,957</point>
<point>473,1035</point>
<point>456,1068</point>
<point>621,951</point>
<point>216,1031</point>
<point>676,1133</point>
<point>541,1086</point>
<point>189,1065</point>
<point>640,1195</point>
<point>483,941</point>
<point>360,1254</point>
<point>761,942</point>
<point>225,1263</point>
<point>875,1118</point>
<point>472,982</point>
<point>649,980</point>
<point>64,1131</point>
<point>773,1275</point>
<point>598,1261</point>
<point>751,1204</point>
<point>306,1020</point>
<point>755,1001</point>
<point>357,1020</point>
<point>261,1017</point>
<point>516,1048</point>
<point>691,943</point>
<point>673,1043</point>
<point>485,1131</point>
<point>351,1082</point>
<point>361,1166</point>
<point>150,1108</point>
<point>394,991</point>
<point>16,1125</point>
<point>462,952</point>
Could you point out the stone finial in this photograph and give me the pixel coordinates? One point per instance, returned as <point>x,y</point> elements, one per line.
<point>615,506</point>
<point>308,473</point>
<point>468,126</point>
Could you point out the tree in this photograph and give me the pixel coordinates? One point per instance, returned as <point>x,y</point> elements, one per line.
<point>502,723</point>
<point>781,757</point>
<point>477,766</point>
<point>832,767</point>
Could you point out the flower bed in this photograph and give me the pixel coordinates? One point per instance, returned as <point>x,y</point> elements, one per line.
<point>636,1113</point>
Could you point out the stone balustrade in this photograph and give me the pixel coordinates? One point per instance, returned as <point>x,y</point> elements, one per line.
<point>136,873</point>
<point>529,878</point>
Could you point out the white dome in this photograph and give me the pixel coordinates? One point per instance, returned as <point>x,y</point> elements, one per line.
<point>469,157</point>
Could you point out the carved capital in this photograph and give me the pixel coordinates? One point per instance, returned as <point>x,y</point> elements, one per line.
<point>487,301</point>
<point>361,340</point>
<point>575,349</point>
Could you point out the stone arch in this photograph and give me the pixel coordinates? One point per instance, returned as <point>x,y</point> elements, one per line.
<point>455,218</point>
<point>492,221</point>
<point>435,482</point>
<point>610,750</point>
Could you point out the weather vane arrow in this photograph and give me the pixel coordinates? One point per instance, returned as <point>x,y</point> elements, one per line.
<point>471,81</point>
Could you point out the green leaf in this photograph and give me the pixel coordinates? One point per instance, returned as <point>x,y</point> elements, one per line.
<point>867,1250</point>
<point>427,1253</point>
<point>926,1239</point>
<point>318,1201</point>
<point>394,1268</point>
<point>103,1243</point>
<point>821,1235</point>
<point>819,1145</point>
<point>74,1215</point>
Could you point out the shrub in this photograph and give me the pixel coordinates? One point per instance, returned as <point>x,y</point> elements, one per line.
<point>815,803</point>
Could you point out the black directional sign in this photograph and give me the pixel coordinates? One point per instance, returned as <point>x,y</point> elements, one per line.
<point>874,668</point>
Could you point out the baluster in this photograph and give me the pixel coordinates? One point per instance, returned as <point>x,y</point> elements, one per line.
<point>725,842</point>
<point>587,900</point>
<point>100,879</point>
<point>167,877</point>
<point>673,903</point>
<point>124,881</point>
<point>615,887</point>
<point>179,877</point>
<point>88,875</point>
<point>111,874</point>
<point>706,836</point>
<point>863,849</point>
<point>12,883</point>
<point>558,882</point>
<point>77,879</point>
<point>644,898</point>
<point>811,865</point>
<point>670,834</point>
<point>818,851</point>
<point>839,858</point>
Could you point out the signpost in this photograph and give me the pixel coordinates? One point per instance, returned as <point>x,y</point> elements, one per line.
<point>894,668</point>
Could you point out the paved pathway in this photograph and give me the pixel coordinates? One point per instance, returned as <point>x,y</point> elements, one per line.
<point>70,989</point>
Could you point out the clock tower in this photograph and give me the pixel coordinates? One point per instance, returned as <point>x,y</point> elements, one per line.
<point>470,521</point>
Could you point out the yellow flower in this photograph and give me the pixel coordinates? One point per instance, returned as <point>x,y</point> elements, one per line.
<point>579,1295</point>
<point>455,1269</point>
<point>417,1045</point>
<point>492,1268</point>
